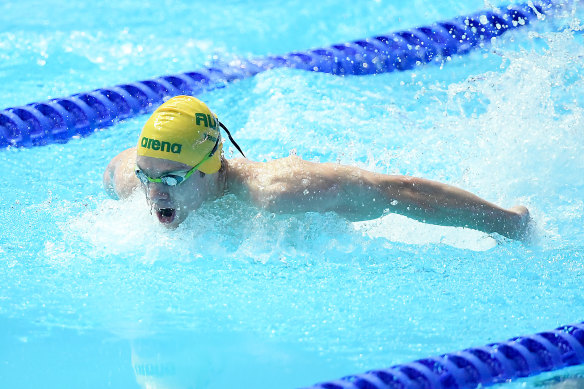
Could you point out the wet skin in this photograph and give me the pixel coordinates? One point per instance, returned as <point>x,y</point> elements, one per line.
<point>292,185</point>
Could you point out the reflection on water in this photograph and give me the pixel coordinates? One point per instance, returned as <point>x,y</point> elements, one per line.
<point>218,360</point>
<point>567,378</point>
<point>37,357</point>
<point>574,379</point>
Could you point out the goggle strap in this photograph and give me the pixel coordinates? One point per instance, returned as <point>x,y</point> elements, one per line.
<point>213,150</point>
<point>231,139</point>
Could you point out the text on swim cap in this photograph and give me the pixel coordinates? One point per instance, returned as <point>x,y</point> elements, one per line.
<point>155,144</point>
<point>208,120</point>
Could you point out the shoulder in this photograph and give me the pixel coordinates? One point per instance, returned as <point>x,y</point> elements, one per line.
<point>126,156</point>
<point>290,170</point>
<point>280,185</point>
<point>242,170</point>
<point>119,179</point>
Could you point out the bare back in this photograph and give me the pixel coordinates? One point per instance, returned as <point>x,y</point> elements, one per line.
<point>292,185</point>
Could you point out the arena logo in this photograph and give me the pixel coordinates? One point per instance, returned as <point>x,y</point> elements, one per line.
<point>155,144</point>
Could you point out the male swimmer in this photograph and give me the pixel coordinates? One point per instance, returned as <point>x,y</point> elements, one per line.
<point>179,164</point>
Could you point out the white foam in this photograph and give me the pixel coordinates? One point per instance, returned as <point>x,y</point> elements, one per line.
<point>398,228</point>
<point>119,228</point>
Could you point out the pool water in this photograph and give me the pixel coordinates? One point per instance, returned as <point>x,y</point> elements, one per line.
<point>94,293</point>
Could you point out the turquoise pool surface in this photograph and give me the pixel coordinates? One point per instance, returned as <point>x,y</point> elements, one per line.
<point>94,293</point>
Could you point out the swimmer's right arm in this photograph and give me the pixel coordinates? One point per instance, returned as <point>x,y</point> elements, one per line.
<point>119,178</point>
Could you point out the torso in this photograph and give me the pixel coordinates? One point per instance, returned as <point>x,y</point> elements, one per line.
<point>286,185</point>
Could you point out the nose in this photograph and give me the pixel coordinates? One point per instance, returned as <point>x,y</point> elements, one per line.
<point>156,192</point>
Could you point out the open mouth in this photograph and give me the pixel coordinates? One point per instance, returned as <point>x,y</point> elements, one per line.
<point>166,215</point>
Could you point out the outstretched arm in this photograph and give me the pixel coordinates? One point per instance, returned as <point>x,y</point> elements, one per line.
<point>119,179</point>
<point>430,202</point>
<point>436,203</point>
<point>294,185</point>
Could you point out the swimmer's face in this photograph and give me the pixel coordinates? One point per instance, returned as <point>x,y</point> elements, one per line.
<point>172,204</point>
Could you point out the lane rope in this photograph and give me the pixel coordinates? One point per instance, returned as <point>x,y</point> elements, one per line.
<point>494,363</point>
<point>60,119</point>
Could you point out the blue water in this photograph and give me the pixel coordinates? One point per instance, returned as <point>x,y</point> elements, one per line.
<point>94,293</point>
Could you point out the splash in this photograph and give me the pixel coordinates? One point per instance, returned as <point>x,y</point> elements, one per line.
<point>520,128</point>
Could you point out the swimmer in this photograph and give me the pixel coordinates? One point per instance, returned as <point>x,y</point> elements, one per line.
<point>178,163</point>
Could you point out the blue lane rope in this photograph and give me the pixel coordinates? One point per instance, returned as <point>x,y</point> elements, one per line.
<point>60,119</point>
<point>491,364</point>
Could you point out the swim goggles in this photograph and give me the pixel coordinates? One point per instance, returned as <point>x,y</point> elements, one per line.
<point>175,178</point>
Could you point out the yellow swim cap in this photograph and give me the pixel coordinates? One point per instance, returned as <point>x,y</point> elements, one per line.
<point>183,130</point>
